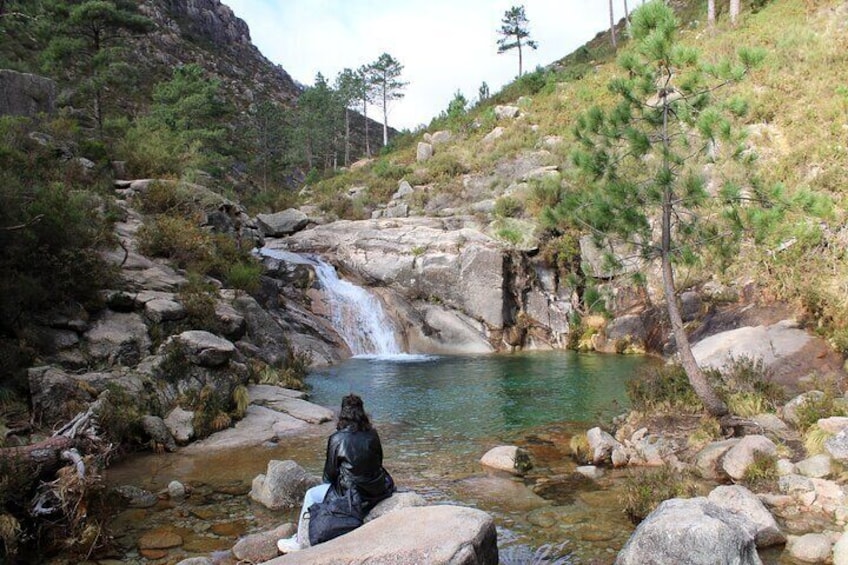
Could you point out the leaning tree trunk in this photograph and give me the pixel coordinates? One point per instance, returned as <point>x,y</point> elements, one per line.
<point>711,13</point>
<point>714,405</point>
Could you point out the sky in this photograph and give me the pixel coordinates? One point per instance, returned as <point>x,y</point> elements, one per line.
<point>443,45</point>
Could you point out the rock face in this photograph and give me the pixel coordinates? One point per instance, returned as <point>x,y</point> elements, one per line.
<point>773,344</point>
<point>436,535</point>
<point>443,275</point>
<point>23,94</point>
<point>691,532</point>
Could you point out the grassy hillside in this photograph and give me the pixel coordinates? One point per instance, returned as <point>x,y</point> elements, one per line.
<point>796,124</point>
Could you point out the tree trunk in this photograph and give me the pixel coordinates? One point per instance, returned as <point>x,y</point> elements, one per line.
<point>385,119</point>
<point>365,115</point>
<point>612,26</point>
<point>711,13</point>
<point>714,405</point>
<point>520,61</point>
<point>46,454</point>
<point>347,138</point>
<point>626,14</point>
<point>734,11</point>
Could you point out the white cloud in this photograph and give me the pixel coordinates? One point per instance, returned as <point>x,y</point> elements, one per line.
<point>444,45</point>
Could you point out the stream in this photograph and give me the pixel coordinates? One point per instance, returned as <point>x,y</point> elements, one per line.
<point>436,416</point>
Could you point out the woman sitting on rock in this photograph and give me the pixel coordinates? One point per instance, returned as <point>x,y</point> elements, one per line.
<point>354,463</point>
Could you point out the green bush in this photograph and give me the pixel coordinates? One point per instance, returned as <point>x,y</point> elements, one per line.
<point>244,276</point>
<point>662,387</point>
<point>53,225</point>
<point>508,207</point>
<point>384,168</point>
<point>179,239</point>
<point>446,165</point>
<point>644,491</point>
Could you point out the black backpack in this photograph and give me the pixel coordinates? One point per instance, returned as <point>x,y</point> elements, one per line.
<point>335,516</point>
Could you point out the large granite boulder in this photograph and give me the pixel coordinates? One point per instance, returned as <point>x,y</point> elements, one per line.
<point>691,532</point>
<point>743,502</point>
<point>772,344</point>
<point>743,454</point>
<point>509,458</point>
<point>282,223</point>
<point>436,535</point>
<point>282,486</point>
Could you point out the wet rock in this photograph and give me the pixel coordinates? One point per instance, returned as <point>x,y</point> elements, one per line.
<point>693,532</point>
<point>136,497</point>
<point>601,445</point>
<point>739,457</point>
<point>260,425</point>
<point>256,548</point>
<point>176,491</point>
<point>155,427</point>
<point>810,548</point>
<point>742,501</point>
<point>282,486</point>
<point>508,458</point>
<point>590,472</point>
<point>161,538</point>
<point>263,331</point>
<point>181,424</point>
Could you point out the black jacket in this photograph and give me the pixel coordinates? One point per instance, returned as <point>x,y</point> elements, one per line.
<point>355,458</point>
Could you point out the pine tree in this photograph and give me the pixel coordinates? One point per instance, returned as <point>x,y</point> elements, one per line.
<point>644,158</point>
<point>384,74</point>
<point>514,34</point>
<point>349,87</point>
<point>86,45</point>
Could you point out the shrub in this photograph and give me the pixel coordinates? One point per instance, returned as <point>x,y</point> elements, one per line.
<point>814,439</point>
<point>761,474</point>
<point>446,165</point>
<point>708,430</point>
<point>508,207</point>
<point>245,276</point>
<point>387,169</point>
<point>747,387</point>
<point>814,409</point>
<point>644,491</point>
<point>662,387</point>
<point>178,239</point>
<point>579,445</point>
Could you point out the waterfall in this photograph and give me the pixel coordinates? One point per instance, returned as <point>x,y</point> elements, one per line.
<point>358,316</point>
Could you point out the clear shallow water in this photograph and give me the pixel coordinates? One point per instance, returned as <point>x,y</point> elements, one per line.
<point>436,416</point>
<point>457,403</point>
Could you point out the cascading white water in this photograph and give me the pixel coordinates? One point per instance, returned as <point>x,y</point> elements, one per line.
<point>358,316</point>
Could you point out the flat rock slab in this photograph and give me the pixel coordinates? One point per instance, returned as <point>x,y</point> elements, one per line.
<point>769,343</point>
<point>259,425</point>
<point>436,535</point>
<point>290,402</point>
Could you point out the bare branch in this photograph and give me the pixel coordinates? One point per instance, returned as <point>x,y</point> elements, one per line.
<point>35,220</point>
